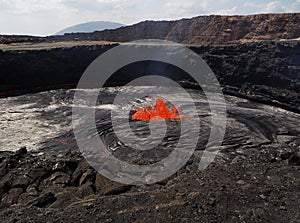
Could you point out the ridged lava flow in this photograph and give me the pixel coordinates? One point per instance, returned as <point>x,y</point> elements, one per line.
<point>160,111</point>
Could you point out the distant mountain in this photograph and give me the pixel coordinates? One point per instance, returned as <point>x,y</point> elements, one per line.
<point>90,27</point>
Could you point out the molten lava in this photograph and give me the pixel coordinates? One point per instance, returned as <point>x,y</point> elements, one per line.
<point>160,111</point>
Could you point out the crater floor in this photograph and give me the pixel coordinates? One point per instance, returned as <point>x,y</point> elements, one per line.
<point>254,178</point>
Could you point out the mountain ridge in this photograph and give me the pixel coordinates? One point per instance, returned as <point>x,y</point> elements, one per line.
<point>210,29</point>
<point>205,29</point>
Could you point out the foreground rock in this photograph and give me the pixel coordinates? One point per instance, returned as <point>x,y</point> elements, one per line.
<point>258,185</point>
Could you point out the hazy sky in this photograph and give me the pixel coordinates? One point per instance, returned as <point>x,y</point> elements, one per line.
<point>45,17</point>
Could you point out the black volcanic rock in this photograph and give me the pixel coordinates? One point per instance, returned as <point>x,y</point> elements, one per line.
<point>7,39</point>
<point>248,182</point>
<point>264,71</point>
<point>40,69</point>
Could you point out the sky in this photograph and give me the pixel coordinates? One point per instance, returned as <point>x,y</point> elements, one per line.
<point>46,17</point>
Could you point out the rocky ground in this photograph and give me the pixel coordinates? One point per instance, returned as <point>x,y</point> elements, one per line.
<point>255,177</point>
<point>255,185</point>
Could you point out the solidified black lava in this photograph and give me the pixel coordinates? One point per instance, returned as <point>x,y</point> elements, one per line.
<point>256,184</point>
<point>264,71</point>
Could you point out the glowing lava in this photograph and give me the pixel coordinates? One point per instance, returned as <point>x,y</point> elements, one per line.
<point>160,111</point>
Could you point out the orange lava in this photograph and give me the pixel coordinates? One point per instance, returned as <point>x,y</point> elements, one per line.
<point>160,111</point>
